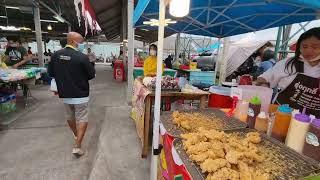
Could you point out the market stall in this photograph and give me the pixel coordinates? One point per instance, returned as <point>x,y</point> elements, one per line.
<point>143,100</point>
<point>207,144</point>
<point>10,80</point>
<point>220,19</point>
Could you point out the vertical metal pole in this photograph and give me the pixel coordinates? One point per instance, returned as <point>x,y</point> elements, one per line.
<point>217,60</point>
<point>177,47</point>
<point>124,31</point>
<point>155,141</point>
<point>37,24</point>
<point>223,60</point>
<point>278,42</point>
<point>130,50</point>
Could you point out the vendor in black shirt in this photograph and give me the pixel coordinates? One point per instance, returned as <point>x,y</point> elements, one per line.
<point>16,54</point>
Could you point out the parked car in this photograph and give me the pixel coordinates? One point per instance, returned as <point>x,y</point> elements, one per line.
<point>206,62</point>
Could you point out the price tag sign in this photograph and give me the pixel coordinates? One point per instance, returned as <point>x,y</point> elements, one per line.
<point>236,92</point>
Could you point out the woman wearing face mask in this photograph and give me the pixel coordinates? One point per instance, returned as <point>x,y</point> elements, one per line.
<point>150,64</point>
<point>298,79</point>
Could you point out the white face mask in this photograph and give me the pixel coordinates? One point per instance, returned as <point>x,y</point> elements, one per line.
<point>153,52</point>
<point>312,60</point>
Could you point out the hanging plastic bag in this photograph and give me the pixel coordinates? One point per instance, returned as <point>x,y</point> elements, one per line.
<point>53,86</point>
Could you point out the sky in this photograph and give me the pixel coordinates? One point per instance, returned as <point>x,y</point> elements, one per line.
<point>271,34</point>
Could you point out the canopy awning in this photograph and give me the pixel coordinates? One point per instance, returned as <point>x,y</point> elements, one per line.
<point>223,18</point>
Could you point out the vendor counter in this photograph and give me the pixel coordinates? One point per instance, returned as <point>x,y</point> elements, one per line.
<point>142,102</point>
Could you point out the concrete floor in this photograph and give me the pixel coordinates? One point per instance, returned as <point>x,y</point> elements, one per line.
<point>37,145</point>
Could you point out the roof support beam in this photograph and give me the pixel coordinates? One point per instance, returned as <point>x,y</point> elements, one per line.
<point>53,11</point>
<point>208,12</point>
<point>232,30</point>
<point>193,19</point>
<point>236,21</point>
<point>222,12</point>
<point>280,19</point>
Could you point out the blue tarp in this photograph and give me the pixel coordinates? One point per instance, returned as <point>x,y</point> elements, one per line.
<point>222,18</point>
<point>212,47</point>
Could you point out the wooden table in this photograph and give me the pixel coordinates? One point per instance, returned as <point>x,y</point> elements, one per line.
<point>174,96</point>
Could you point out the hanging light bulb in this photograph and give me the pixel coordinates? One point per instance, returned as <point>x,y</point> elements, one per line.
<point>179,8</point>
<point>49,27</point>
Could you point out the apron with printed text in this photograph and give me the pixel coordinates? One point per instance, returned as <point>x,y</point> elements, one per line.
<point>303,92</point>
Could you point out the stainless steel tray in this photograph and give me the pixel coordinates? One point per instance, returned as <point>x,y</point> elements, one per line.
<point>227,123</point>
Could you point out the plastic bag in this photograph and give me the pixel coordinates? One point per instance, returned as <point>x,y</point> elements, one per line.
<point>53,86</point>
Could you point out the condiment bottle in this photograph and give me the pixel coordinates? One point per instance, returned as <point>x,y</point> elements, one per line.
<point>242,110</point>
<point>253,111</point>
<point>261,122</point>
<point>299,126</point>
<point>281,122</point>
<point>311,145</point>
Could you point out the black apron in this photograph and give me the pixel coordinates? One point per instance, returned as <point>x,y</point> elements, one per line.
<point>303,92</point>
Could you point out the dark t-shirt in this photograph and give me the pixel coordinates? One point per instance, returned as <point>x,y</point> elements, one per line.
<point>15,55</point>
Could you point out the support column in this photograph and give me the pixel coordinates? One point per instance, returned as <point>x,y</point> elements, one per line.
<point>130,50</point>
<point>156,123</point>
<point>277,48</point>
<point>37,24</point>
<point>223,60</point>
<point>124,33</point>
<point>177,47</point>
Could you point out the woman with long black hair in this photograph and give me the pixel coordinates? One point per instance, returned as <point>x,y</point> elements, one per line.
<point>298,79</point>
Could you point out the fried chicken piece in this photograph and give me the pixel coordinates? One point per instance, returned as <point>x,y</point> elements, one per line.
<point>245,173</point>
<point>233,156</point>
<point>186,125</point>
<point>213,134</point>
<point>254,156</point>
<point>224,174</point>
<point>197,148</point>
<point>199,158</point>
<point>253,137</point>
<point>210,165</point>
<point>260,175</point>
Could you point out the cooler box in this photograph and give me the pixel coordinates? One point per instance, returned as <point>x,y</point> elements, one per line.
<point>220,97</point>
<point>203,77</point>
<point>118,71</point>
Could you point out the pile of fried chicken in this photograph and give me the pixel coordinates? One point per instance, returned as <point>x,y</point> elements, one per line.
<point>192,121</point>
<point>226,156</point>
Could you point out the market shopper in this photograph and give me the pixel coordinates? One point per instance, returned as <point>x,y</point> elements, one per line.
<point>267,62</point>
<point>16,54</point>
<point>92,56</point>
<point>298,78</point>
<point>72,71</point>
<point>150,64</point>
<point>168,62</point>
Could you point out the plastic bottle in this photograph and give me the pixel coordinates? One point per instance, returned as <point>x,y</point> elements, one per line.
<point>261,122</point>
<point>253,111</point>
<point>297,131</point>
<point>311,144</point>
<point>281,122</point>
<point>242,110</point>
